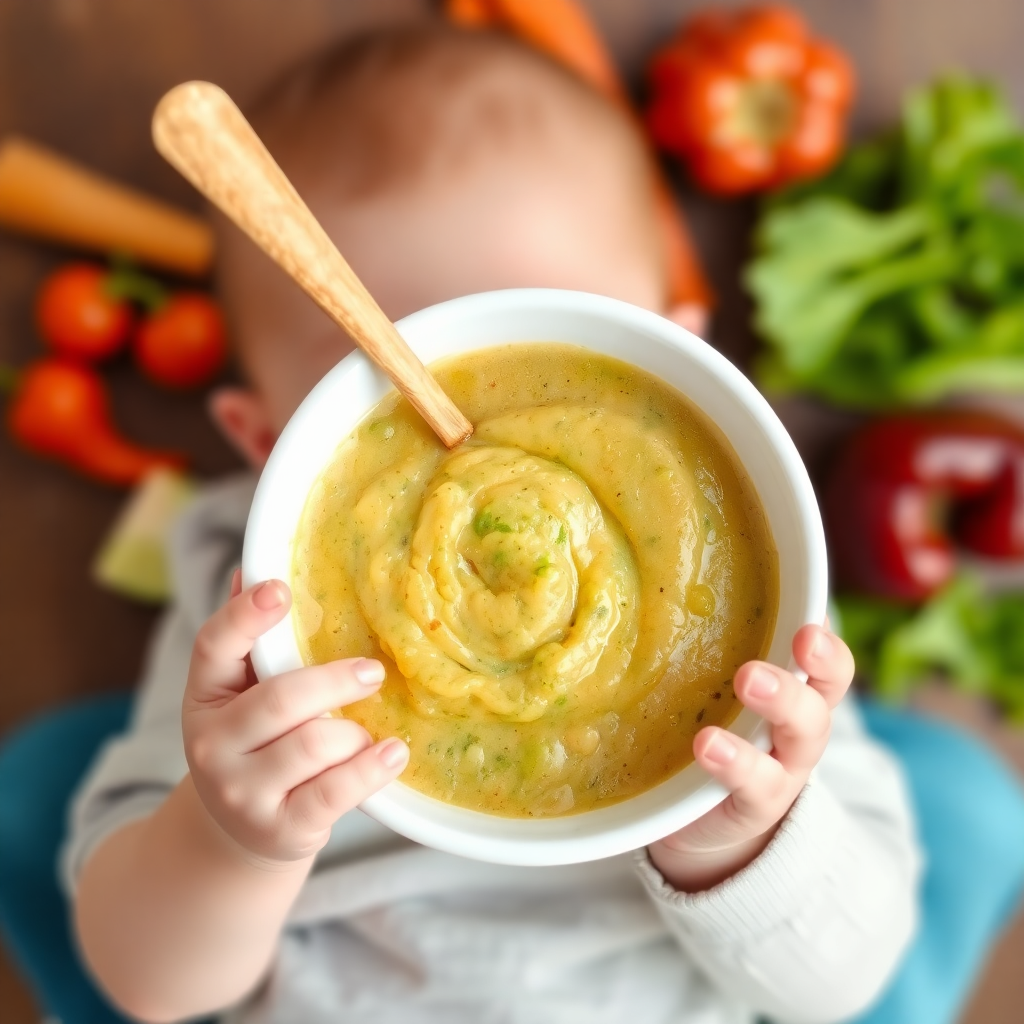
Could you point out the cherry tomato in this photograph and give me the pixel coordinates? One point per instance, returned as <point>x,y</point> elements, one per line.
<point>76,316</point>
<point>183,344</point>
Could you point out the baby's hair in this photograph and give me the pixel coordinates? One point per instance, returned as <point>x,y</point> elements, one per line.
<point>422,112</point>
<point>393,107</point>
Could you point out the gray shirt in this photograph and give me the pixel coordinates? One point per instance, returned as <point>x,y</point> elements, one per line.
<point>388,931</point>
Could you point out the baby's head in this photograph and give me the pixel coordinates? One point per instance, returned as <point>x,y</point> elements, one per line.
<point>441,163</point>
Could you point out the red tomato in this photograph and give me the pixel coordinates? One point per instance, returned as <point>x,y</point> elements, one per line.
<point>749,100</point>
<point>61,410</point>
<point>734,169</point>
<point>767,42</point>
<point>77,318</point>
<point>828,76</point>
<point>183,344</point>
<point>811,147</point>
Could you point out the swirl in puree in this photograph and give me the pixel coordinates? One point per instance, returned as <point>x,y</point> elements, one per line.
<point>561,602</point>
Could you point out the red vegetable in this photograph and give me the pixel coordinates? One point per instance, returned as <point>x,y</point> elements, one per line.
<point>182,344</point>
<point>907,490</point>
<point>749,100</point>
<point>61,410</point>
<point>77,315</point>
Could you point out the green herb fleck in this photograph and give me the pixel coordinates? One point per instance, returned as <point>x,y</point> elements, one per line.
<point>486,523</point>
<point>483,524</point>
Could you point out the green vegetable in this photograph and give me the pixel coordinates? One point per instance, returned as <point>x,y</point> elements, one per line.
<point>972,639</point>
<point>899,277</point>
<point>486,523</point>
<point>133,559</point>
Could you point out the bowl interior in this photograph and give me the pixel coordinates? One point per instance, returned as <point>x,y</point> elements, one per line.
<point>616,329</point>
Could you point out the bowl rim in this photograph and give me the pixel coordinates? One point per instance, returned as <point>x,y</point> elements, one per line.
<point>534,841</point>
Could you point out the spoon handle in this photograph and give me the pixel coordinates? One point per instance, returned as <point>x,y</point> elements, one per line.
<point>201,132</point>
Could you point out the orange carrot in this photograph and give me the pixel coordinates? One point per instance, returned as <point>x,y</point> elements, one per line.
<point>687,282</point>
<point>563,30</point>
<point>48,196</point>
<point>559,28</point>
<point>470,13</point>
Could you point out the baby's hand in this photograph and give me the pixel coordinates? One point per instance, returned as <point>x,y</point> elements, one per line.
<point>762,786</point>
<point>271,772</point>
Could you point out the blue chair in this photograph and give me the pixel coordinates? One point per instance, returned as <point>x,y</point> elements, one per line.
<point>970,819</point>
<point>40,765</point>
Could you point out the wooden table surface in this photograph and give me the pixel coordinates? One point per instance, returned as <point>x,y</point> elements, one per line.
<point>83,75</point>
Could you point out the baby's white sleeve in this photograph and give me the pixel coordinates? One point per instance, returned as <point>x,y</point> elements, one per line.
<point>810,931</point>
<point>133,773</point>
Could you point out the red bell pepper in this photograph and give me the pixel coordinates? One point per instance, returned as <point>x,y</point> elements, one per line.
<point>749,100</point>
<point>908,490</point>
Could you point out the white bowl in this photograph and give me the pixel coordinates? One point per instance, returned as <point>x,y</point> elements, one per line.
<point>349,391</point>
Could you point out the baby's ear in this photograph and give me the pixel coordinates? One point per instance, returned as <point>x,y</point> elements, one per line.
<point>689,315</point>
<point>243,418</point>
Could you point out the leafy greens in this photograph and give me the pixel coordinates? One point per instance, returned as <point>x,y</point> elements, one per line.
<point>972,639</point>
<point>899,277</point>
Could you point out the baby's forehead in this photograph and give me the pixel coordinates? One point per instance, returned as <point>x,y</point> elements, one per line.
<point>394,109</point>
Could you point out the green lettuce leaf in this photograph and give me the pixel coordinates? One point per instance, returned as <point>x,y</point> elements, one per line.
<point>899,277</point>
<point>972,639</point>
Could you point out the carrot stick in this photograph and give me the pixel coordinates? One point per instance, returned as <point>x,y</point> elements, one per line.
<point>687,282</point>
<point>48,196</point>
<point>469,13</point>
<point>559,28</point>
<point>563,30</point>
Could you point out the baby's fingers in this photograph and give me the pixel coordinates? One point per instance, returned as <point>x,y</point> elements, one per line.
<point>800,718</point>
<point>279,705</point>
<point>317,804</point>
<point>761,790</point>
<point>826,660</point>
<point>304,753</point>
<point>218,666</point>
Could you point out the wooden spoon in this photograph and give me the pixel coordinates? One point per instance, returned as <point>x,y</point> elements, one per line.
<point>201,132</point>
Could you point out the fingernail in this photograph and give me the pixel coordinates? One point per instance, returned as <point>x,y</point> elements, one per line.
<point>368,672</point>
<point>394,753</point>
<point>822,647</point>
<point>269,595</point>
<point>721,749</point>
<point>763,683</point>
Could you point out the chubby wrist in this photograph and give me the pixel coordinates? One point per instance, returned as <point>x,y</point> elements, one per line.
<point>699,870</point>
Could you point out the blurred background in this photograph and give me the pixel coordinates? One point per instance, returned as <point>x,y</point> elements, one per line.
<point>81,77</point>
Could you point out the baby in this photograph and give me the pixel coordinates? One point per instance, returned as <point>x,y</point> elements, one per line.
<point>217,857</point>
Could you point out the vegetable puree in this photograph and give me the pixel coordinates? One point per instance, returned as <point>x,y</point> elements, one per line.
<point>560,603</point>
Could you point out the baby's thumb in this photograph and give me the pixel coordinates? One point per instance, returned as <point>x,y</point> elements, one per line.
<point>226,638</point>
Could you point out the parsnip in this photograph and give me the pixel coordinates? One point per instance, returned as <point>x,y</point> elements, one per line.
<point>48,196</point>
